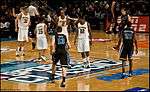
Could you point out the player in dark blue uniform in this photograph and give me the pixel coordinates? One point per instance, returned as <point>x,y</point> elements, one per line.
<point>125,18</point>
<point>128,40</point>
<point>59,53</point>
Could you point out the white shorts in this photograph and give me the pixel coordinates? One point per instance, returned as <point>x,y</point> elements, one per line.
<point>23,35</point>
<point>42,43</point>
<point>83,45</point>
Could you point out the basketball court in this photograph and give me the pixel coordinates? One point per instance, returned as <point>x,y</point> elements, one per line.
<point>26,74</point>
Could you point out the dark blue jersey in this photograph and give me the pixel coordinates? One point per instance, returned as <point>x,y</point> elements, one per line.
<point>124,20</point>
<point>128,37</point>
<point>60,42</point>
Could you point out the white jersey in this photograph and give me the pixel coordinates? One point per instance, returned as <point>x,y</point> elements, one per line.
<point>63,23</point>
<point>33,11</point>
<point>23,23</point>
<point>40,32</point>
<point>83,30</point>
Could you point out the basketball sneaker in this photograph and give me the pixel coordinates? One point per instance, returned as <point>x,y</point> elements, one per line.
<point>123,75</point>
<point>130,74</point>
<point>62,84</point>
<point>44,58</point>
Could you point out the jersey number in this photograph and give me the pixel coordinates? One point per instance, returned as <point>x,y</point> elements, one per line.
<point>25,19</point>
<point>128,36</point>
<point>63,23</point>
<point>82,31</point>
<point>61,40</point>
<point>40,31</point>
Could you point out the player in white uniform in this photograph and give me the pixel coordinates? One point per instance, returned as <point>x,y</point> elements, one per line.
<point>41,34</point>
<point>63,22</point>
<point>22,23</point>
<point>84,40</point>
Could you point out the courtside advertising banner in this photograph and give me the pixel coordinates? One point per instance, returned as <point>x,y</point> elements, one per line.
<point>140,23</point>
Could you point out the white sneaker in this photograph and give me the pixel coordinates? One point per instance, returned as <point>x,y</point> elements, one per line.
<point>44,58</point>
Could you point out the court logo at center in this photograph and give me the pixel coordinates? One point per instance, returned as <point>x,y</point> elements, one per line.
<point>33,72</point>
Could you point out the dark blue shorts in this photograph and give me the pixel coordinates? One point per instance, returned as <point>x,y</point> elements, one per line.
<point>126,52</point>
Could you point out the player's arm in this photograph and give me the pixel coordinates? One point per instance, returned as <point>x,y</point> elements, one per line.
<point>135,42</point>
<point>16,21</point>
<point>56,19</point>
<point>52,49</point>
<point>29,22</point>
<point>68,21</point>
<point>45,30</point>
<point>129,18</point>
<point>68,43</point>
<point>36,11</point>
<point>76,35</point>
<point>90,34</point>
<point>112,9</point>
<point>119,43</point>
<point>35,30</point>
<point>13,12</point>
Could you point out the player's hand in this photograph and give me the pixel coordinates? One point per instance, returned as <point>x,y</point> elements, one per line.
<point>16,29</point>
<point>116,47</point>
<point>136,51</point>
<point>75,43</point>
<point>69,46</point>
<point>52,51</point>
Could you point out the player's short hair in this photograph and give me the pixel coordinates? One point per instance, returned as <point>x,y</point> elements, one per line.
<point>40,19</point>
<point>81,16</point>
<point>25,7</point>
<point>59,29</point>
<point>123,8</point>
<point>32,3</point>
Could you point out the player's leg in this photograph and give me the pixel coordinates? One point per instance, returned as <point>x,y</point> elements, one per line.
<point>64,70</point>
<point>44,48</point>
<point>39,54</point>
<point>123,56</point>
<point>18,50</point>
<point>130,67</point>
<point>88,59</point>
<point>64,63</point>
<point>32,35</point>
<point>19,42</point>
<point>55,59</point>
<point>86,46</point>
<point>33,43</point>
<point>83,56</point>
<point>53,72</point>
<point>22,48</point>
<point>81,50</point>
<point>130,62</point>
